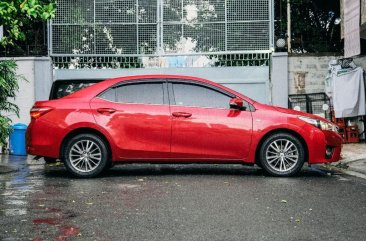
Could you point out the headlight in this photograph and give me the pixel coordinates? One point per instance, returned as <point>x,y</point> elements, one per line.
<point>326,126</point>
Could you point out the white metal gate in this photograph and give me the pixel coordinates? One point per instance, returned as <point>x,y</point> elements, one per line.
<point>158,27</point>
<point>172,35</point>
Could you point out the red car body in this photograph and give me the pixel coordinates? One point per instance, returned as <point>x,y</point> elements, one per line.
<point>164,133</point>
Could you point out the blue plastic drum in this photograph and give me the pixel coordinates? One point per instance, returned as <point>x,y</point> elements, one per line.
<point>17,140</point>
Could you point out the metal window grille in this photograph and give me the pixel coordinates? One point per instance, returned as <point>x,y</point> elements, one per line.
<point>311,103</point>
<point>89,31</point>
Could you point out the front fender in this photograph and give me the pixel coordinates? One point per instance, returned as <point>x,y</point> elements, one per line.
<point>263,125</point>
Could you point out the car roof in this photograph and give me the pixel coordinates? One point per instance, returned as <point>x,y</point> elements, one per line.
<point>95,89</point>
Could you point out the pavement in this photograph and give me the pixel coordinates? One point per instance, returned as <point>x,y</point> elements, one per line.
<point>353,160</point>
<point>10,164</point>
<point>180,203</point>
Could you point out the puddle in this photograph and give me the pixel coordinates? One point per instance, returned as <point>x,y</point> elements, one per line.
<point>15,189</point>
<point>50,221</point>
<point>69,230</point>
<point>15,202</point>
<point>14,212</point>
<point>128,186</point>
<point>64,231</point>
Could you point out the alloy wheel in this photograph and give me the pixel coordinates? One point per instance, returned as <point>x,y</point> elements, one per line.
<point>282,155</point>
<point>85,156</point>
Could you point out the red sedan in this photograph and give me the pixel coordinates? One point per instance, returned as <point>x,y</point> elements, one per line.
<point>175,119</point>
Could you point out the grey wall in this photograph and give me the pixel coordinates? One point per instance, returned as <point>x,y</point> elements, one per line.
<point>360,61</point>
<point>43,75</point>
<point>251,81</point>
<point>38,73</point>
<point>315,69</point>
<point>279,79</point>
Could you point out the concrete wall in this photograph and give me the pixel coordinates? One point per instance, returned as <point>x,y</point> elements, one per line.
<point>38,73</point>
<point>251,81</point>
<point>279,79</point>
<point>360,61</point>
<point>43,75</point>
<point>312,68</point>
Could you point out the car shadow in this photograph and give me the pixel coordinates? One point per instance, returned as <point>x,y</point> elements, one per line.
<point>188,170</point>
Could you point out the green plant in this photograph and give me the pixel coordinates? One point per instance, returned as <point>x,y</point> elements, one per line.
<point>314,25</point>
<point>15,14</point>
<point>8,88</point>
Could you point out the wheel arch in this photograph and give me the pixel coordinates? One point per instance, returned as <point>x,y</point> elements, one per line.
<point>84,130</point>
<point>282,130</point>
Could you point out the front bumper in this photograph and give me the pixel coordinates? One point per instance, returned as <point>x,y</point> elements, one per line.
<point>322,141</point>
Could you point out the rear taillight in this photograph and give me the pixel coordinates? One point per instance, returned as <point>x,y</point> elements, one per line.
<point>37,112</point>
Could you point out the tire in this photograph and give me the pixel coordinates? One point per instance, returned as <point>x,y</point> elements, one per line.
<point>86,155</point>
<point>282,155</point>
<point>49,160</point>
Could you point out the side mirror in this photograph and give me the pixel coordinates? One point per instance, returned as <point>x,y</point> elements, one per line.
<point>237,104</point>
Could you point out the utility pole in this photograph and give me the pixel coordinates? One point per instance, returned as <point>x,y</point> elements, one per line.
<point>288,26</point>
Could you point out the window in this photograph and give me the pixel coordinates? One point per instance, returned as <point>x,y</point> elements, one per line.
<point>141,93</point>
<point>199,96</point>
<point>63,88</point>
<point>109,94</point>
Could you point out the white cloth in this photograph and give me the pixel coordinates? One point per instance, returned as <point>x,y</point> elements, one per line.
<point>351,19</point>
<point>333,68</point>
<point>348,93</point>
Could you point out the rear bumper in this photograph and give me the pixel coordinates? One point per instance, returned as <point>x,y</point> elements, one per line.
<point>319,144</point>
<point>43,139</point>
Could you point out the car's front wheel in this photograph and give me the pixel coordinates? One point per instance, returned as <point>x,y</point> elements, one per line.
<point>86,155</point>
<point>282,154</point>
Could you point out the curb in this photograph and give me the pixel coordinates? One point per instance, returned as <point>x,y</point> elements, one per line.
<point>358,166</point>
<point>345,166</point>
<point>350,160</point>
<point>356,174</point>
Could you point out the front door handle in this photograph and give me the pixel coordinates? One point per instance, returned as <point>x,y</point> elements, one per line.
<point>181,114</point>
<point>106,110</point>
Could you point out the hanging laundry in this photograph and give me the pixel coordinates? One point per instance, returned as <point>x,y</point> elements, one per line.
<point>347,91</point>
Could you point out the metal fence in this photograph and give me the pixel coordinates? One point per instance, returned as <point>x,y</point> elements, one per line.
<point>88,31</point>
<point>127,62</point>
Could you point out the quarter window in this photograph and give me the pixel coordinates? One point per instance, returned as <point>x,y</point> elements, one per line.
<point>199,96</point>
<point>109,94</point>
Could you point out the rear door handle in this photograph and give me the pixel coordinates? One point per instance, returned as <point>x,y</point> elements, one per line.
<point>106,110</point>
<point>181,114</point>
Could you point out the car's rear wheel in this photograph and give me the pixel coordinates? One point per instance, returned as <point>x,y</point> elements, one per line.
<point>86,155</point>
<point>282,154</point>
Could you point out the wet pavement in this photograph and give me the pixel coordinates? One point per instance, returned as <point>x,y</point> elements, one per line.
<point>179,202</point>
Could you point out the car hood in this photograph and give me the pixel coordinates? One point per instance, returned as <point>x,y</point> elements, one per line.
<point>299,113</point>
<point>289,111</point>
